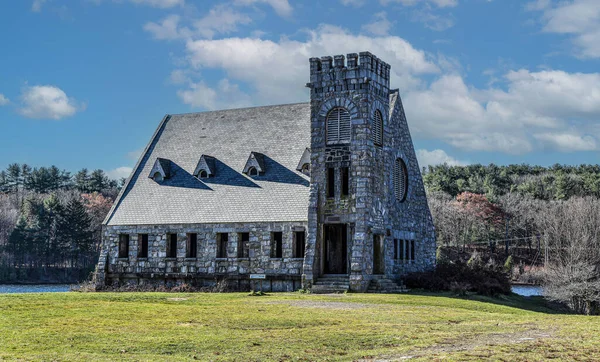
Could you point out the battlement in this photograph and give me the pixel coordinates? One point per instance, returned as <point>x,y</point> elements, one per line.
<point>363,65</point>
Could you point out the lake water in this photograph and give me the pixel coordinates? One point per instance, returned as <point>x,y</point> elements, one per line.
<point>527,290</point>
<point>34,288</point>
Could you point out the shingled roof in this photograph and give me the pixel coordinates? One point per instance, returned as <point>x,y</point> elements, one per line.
<point>281,133</point>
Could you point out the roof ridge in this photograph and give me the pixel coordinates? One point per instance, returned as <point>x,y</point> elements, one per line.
<point>238,109</point>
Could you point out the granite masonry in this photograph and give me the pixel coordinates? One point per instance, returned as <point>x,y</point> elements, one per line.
<point>325,195</point>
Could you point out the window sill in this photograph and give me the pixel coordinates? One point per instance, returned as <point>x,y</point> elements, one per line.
<point>122,259</point>
<point>296,258</point>
<point>190,259</point>
<point>276,258</point>
<point>221,259</point>
<point>170,258</point>
<point>242,259</point>
<point>142,259</point>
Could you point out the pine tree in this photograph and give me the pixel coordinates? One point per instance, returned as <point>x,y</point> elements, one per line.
<point>75,230</point>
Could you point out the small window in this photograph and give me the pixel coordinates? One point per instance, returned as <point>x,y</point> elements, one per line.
<point>142,245</point>
<point>344,172</point>
<point>192,246</point>
<point>306,169</point>
<point>123,246</point>
<point>402,250</point>
<point>202,174</point>
<point>277,244</point>
<point>222,243</point>
<point>400,180</point>
<point>299,244</point>
<point>243,245</point>
<point>157,177</point>
<point>339,129</point>
<point>377,131</point>
<point>396,251</point>
<point>252,171</point>
<point>412,250</point>
<point>331,182</point>
<point>171,245</point>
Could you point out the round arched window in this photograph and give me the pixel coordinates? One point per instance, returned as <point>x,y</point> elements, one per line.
<point>400,180</point>
<point>377,131</point>
<point>306,169</point>
<point>338,125</point>
<point>157,177</point>
<point>202,174</point>
<point>252,171</point>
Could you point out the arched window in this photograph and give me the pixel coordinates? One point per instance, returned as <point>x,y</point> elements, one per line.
<point>339,128</point>
<point>157,177</point>
<point>400,180</point>
<point>377,130</point>
<point>252,171</point>
<point>202,174</point>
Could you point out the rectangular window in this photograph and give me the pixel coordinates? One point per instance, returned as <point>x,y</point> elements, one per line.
<point>300,244</point>
<point>243,245</point>
<point>345,173</point>
<point>142,245</point>
<point>171,245</point>
<point>412,250</point>
<point>331,182</point>
<point>396,251</point>
<point>403,250</point>
<point>222,243</point>
<point>192,246</point>
<point>277,244</point>
<point>123,246</point>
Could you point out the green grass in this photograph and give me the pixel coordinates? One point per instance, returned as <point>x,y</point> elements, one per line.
<point>288,326</point>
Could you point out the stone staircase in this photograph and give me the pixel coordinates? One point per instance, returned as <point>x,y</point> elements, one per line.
<point>380,284</point>
<point>328,284</point>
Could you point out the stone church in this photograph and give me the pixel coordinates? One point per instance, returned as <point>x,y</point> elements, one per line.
<point>325,196</point>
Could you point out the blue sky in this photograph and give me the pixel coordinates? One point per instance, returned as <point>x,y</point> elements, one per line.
<point>85,83</point>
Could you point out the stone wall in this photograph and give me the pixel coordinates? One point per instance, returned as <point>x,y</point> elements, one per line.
<point>283,274</point>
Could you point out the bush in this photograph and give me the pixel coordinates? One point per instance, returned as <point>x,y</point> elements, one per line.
<point>461,278</point>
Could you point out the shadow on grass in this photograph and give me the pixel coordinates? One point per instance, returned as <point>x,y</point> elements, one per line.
<point>534,303</point>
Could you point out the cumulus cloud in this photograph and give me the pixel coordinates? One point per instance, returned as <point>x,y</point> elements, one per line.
<point>37,5</point>
<point>438,3</point>
<point>225,95</point>
<point>164,4</point>
<point>119,172</point>
<point>579,19</point>
<point>3,100</point>
<point>355,3</point>
<point>567,142</point>
<point>281,7</point>
<point>380,25</point>
<point>167,29</point>
<point>46,101</point>
<point>436,157</point>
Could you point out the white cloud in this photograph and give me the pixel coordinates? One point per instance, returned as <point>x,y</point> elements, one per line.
<point>226,95</point>
<point>135,154</point>
<point>438,3</point>
<point>436,157</point>
<point>578,18</point>
<point>167,29</point>
<point>567,142</point>
<point>380,25</point>
<point>119,172</point>
<point>37,5</point>
<point>3,100</point>
<point>281,7</point>
<point>46,101</point>
<point>163,4</point>
<point>355,3</point>
<point>255,61</point>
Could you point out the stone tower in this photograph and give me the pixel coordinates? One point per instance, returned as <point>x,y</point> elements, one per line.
<point>361,163</point>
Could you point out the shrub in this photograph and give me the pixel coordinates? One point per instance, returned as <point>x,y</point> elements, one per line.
<point>461,278</point>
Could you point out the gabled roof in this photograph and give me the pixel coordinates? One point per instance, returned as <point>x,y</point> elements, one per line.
<point>255,160</point>
<point>206,163</point>
<point>162,166</point>
<point>280,133</point>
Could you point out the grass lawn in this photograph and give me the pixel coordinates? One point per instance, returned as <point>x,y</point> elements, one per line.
<point>288,326</point>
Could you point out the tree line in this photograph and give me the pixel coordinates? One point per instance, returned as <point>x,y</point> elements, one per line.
<point>50,222</point>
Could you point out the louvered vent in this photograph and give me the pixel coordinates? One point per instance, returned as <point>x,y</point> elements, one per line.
<point>400,180</point>
<point>339,128</point>
<point>377,131</point>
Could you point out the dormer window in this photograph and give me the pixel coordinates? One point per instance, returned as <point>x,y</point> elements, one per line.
<point>304,164</point>
<point>205,167</point>
<point>255,165</point>
<point>161,170</point>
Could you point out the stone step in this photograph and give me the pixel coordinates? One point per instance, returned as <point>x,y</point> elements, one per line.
<point>331,282</point>
<point>384,285</point>
<point>328,289</point>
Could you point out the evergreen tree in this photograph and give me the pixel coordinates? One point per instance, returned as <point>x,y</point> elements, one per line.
<point>82,181</point>
<point>75,230</point>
